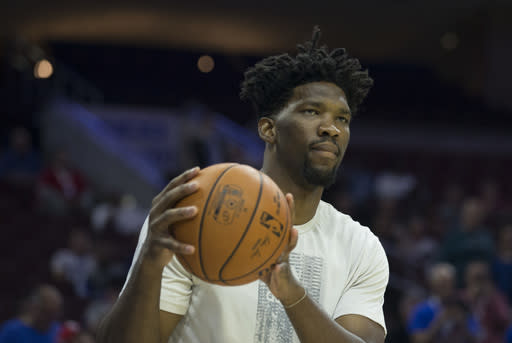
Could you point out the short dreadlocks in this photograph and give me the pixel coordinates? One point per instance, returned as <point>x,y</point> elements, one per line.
<point>269,84</point>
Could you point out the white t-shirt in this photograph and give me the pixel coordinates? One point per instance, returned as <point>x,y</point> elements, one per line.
<point>340,262</point>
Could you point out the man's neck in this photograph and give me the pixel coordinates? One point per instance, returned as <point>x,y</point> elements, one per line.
<point>306,197</point>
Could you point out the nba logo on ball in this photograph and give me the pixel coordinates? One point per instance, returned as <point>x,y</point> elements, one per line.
<point>227,204</point>
<point>271,223</point>
<point>241,228</point>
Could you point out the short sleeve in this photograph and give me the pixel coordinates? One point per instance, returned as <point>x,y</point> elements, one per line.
<point>176,288</point>
<point>176,281</point>
<point>365,296</point>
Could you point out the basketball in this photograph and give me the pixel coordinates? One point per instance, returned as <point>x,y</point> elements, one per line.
<point>241,228</point>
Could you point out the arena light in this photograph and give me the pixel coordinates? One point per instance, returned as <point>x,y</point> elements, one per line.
<point>205,63</point>
<point>43,69</point>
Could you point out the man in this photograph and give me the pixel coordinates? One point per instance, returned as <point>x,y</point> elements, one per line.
<point>73,266</point>
<point>38,320</point>
<point>487,303</point>
<point>330,288</point>
<point>442,317</point>
<point>468,240</point>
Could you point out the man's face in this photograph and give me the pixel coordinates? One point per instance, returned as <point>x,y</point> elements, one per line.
<point>312,133</point>
<point>443,283</point>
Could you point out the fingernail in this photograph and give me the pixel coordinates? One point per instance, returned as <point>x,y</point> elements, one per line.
<point>191,170</point>
<point>190,209</point>
<point>192,185</point>
<point>189,249</point>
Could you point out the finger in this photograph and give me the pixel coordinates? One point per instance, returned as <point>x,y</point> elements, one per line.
<point>277,274</point>
<point>172,196</point>
<point>175,246</point>
<point>292,243</point>
<point>172,216</point>
<point>265,276</point>
<point>178,180</point>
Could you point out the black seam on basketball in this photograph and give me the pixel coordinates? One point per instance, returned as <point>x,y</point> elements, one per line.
<point>203,216</point>
<point>246,228</point>
<point>280,243</point>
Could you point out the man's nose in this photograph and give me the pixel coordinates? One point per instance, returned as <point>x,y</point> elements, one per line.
<point>328,129</point>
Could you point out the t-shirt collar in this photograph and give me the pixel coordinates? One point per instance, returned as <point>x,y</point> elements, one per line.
<point>311,224</point>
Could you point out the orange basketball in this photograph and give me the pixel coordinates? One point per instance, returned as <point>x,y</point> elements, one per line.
<point>241,228</point>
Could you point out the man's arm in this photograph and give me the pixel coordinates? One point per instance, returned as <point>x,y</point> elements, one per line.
<point>136,315</point>
<point>311,323</point>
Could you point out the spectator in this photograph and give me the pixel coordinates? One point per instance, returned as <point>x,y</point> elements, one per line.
<point>20,163</point>
<point>38,320</point>
<point>122,213</point>
<point>76,263</point>
<point>442,317</point>
<point>455,324</point>
<point>502,264</point>
<point>62,188</point>
<point>488,305</point>
<point>469,240</point>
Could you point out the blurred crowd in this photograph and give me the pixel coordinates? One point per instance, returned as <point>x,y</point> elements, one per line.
<point>69,246</point>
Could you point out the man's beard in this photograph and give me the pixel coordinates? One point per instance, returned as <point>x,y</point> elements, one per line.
<point>317,177</point>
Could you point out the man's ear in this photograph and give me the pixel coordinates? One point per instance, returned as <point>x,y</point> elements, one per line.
<point>267,129</point>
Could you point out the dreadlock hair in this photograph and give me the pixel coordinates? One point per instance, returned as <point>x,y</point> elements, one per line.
<point>269,84</point>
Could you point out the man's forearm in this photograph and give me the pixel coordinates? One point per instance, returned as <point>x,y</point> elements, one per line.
<point>313,325</point>
<point>135,317</point>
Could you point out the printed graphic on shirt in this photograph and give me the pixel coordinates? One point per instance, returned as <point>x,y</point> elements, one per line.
<point>272,323</point>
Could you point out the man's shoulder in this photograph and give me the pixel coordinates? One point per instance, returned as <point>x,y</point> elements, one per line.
<point>12,323</point>
<point>12,327</point>
<point>346,223</point>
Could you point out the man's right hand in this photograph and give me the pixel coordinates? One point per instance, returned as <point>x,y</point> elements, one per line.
<point>160,246</point>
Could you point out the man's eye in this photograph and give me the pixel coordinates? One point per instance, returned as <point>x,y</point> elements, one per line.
<point>343,119</point>
<point>311,111</point>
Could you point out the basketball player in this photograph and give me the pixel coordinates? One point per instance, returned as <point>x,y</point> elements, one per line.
<point>329,284</point>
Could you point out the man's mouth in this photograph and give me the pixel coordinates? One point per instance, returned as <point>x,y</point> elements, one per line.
<point>326,147</point>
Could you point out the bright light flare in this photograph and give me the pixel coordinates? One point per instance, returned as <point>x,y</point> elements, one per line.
<point>205,63</point>
<point>43,69</point>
